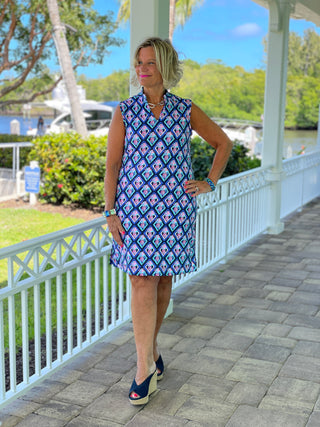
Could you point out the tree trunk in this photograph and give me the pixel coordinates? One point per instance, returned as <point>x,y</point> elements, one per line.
<point>172,14</point>
<point>66,68</point>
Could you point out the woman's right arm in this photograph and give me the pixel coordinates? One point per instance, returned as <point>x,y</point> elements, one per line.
<point>115,147</point>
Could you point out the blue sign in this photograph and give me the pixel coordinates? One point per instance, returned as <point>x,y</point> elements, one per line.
<point>32,179</point>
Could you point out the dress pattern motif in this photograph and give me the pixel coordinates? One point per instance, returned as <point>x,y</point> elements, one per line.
<point>157,214</point>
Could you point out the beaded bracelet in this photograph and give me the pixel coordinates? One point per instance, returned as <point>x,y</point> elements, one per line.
<point>213,187</point>
<point>106,214</point>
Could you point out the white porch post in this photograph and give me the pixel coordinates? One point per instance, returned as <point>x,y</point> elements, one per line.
<point>147,18</point>
<point>274,108</point>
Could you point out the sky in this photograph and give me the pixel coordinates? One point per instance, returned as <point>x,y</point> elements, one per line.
<point>228,30</point>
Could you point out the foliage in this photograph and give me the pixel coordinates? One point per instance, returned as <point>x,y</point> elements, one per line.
<point>114,87</point>
<point>72,169</point>
<point>239,161</point>
<point>309,103</point>
<point>180,12</point>
<point>202,155</point>
<point>223,91</point>
<point>184,10</point>
<point>8,137</point>
<point>6,153</point>
<point>26,42</point>
<point>304,54</point>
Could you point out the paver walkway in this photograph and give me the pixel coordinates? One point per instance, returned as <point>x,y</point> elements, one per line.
<point>241,349</point>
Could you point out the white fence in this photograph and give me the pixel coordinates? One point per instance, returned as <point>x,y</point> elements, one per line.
<point>62,295</point>
<point>15,146</point>
<point>11,183</point>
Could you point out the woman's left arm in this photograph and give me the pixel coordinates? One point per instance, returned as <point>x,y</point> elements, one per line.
<point>214,135</point>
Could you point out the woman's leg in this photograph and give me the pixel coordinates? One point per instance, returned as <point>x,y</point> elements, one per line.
<point>144,319</point>
<point>163,299</point>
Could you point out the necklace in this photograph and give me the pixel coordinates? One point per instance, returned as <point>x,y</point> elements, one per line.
<point>155,105</point>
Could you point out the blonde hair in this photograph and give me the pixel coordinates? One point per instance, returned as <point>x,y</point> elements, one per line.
<point>167,61</point>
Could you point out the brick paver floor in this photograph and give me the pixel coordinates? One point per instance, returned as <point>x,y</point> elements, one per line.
<point>242,348</point>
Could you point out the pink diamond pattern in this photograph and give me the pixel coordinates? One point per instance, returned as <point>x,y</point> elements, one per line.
<point>156,213</point>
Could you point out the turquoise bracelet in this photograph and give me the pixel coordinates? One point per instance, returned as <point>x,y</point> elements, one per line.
<point>106,214</point>
<point>213,187</point>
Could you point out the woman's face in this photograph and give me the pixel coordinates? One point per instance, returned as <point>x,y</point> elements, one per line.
<point>147,72</point>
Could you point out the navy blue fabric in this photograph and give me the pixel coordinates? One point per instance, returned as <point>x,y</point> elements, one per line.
<point>157,214</point>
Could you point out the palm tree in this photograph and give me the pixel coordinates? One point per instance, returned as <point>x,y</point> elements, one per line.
<point>180,12</point>
<point>58,31</point>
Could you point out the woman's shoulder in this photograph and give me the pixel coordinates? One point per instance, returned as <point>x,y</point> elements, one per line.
<point>176,99</point>
<point>131,99</point>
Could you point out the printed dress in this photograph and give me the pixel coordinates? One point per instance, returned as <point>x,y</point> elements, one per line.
<point>157,214</point>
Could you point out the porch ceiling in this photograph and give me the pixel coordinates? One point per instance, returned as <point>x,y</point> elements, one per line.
<point>304,9</point>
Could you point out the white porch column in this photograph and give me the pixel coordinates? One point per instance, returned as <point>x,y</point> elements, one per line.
<point>274,108</point>
<point>147,18</point>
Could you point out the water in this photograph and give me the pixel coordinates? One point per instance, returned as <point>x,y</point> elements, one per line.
<point>25,124</point>
<point>294,140</point>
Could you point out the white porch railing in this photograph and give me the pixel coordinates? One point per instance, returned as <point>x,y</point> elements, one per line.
<point>301,183</point>
<point>11,183</point>
<point>61,290</point>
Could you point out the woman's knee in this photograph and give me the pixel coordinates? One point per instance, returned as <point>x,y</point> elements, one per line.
<point>165,281</point>
<point>140,282</point>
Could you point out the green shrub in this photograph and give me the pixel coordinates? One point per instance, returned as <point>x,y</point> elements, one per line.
<point>6,153</point>
<point>202,155</point>
<point>72,169</point>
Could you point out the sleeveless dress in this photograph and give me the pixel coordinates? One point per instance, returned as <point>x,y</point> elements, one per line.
<point>157,214</point>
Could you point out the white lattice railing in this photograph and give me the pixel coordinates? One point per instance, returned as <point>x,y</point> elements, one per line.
<point>301,183</point>
<point>62,291</point>
<point>60,286</point>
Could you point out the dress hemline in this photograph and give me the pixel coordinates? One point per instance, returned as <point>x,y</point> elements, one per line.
<point>191,270</point>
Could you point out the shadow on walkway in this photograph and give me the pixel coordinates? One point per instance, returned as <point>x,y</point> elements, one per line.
<point>242,348</point>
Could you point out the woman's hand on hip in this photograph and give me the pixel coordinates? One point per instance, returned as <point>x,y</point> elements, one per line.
<point>115,228</point>
<point>196,187</point>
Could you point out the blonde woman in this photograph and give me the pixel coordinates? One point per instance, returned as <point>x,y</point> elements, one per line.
<point>150,196</point>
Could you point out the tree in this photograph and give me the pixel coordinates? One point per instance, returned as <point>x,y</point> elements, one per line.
<point>180,11</point>
<point>58,31</point>
<point>26,43</point>
<point>202,155</point>
<point>114,87</point>
<point>303,53</point>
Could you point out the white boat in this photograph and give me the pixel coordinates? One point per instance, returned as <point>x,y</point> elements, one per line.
<point>97,115</point>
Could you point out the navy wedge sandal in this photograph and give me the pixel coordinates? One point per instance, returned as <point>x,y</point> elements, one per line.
<point>160,368</point>
<point>143,390</point>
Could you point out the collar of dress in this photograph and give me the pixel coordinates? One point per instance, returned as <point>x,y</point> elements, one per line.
<point>166,97</point>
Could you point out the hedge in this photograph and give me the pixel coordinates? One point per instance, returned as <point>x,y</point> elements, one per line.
<point>73,167</point>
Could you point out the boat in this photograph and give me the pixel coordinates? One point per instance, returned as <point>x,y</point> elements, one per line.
<point>97,115</point>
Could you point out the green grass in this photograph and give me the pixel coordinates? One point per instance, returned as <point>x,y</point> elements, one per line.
<point>53,304</point>
<point>18,225</point>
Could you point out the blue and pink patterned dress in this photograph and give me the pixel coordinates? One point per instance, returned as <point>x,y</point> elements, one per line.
<point>157,214</point>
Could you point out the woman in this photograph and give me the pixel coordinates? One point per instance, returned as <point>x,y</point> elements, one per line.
<point>150,196</point>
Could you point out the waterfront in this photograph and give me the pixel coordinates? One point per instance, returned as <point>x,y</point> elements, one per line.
<point>25,124</point>
<point>294,140</point>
